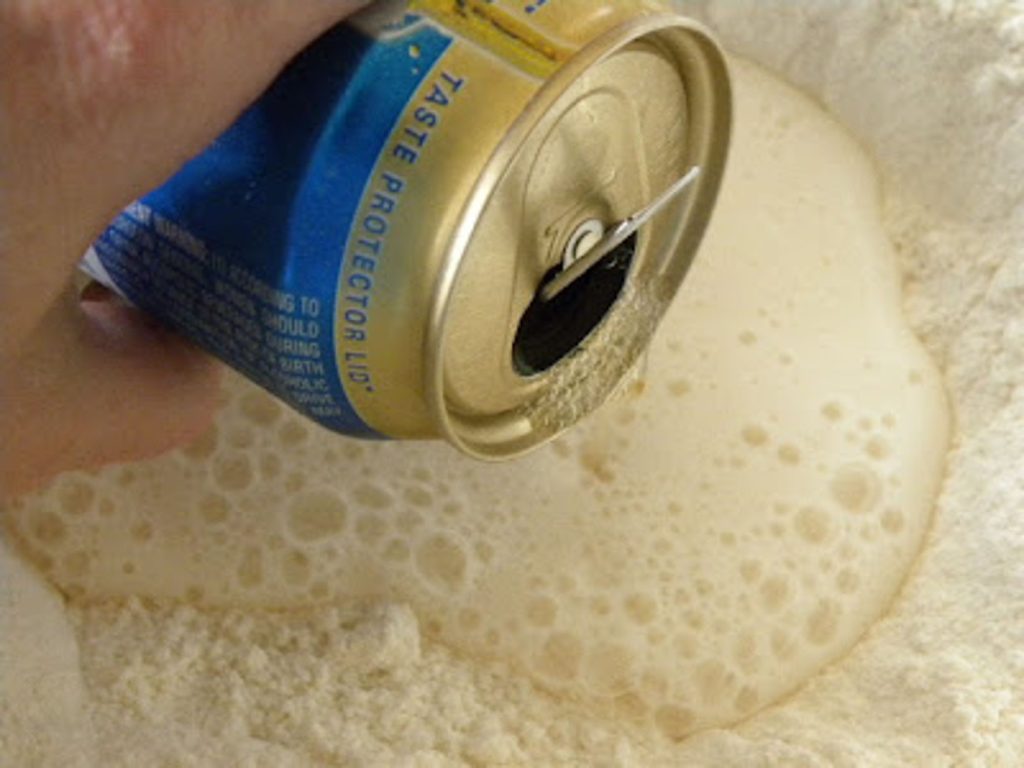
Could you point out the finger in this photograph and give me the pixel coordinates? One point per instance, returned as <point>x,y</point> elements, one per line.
<point>103,383</point>
<point>102,100</point>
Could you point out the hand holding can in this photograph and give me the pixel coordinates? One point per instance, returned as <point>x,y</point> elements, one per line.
<point>99,103</point>
<point>385,239</point>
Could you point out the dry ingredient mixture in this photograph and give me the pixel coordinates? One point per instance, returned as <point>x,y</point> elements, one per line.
<point>937,681</point>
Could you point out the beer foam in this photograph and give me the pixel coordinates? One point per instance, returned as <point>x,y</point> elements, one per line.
<point>692,552</point>
<point>607,363</point>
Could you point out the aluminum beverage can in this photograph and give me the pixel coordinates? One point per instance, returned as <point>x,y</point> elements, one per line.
<point>369,239</point>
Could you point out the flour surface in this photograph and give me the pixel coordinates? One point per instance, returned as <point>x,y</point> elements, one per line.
<point>936,681</point>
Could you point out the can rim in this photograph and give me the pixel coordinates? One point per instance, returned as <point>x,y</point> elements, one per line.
<point>605,45</point>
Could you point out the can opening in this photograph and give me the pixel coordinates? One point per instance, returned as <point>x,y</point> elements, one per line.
<point>551,329</point>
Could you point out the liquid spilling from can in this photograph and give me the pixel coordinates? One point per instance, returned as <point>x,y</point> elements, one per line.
<point>386,239</point>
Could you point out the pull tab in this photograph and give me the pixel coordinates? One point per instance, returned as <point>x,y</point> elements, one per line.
<point>615,236</point>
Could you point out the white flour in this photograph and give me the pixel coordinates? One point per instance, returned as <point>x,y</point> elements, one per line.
<point>936,91</point>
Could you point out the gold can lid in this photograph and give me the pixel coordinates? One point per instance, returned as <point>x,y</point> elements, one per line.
<point>587,220</point>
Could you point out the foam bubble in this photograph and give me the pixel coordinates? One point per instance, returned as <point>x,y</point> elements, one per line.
<point>560,656</point>
<point>877,448</point>
<point>713,681</point>
<point>48,529</point>
<point>823,622</point>
<point>750,570</point>
<point>832,411</point>
<point>754,435</point>
<point>783,645</point>
<point>295,567</point>
<point>745,653</point>
<point>679,387</point>
<point>214,508</point>
<point>642,609</point>
<point>418,496</point>
<point>316,514</point>
<point>847,581</point>
<point>541,611</point>
<point>789,454</point>
<point>775,591</point>
<point>260,408</point>
<point>295,481</point>
<point>250,568</point>
<point>856,488</point>
<point>371,528</point>
<point>232,471</point>
<point>141,531</point>
<point>204,446</point>
<point>241,437</point>
<point>292,432</point>
<point>76,495</point>
<point>812,524</point>
<point>442,562</point>
<point>372,496</point>
<point>396,551</point>
<point>608,669</point>
<point>892,521</point>
<point>408,521</point>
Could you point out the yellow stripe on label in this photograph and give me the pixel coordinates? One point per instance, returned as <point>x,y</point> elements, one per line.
<point>503,33</point>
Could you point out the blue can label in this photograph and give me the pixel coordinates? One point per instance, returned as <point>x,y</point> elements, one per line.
<point>243,250</point>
